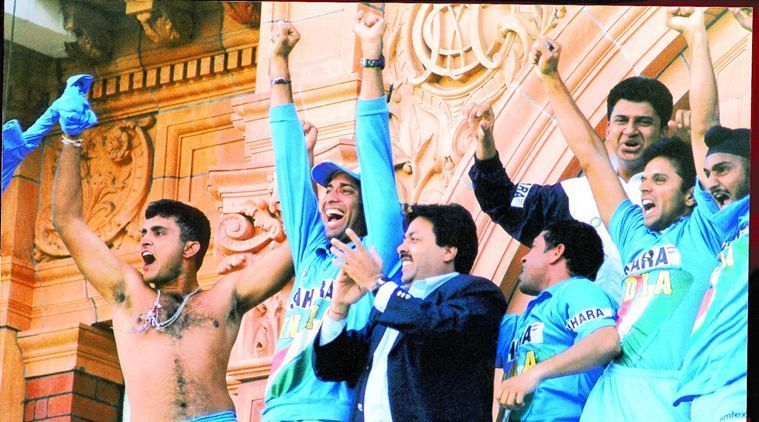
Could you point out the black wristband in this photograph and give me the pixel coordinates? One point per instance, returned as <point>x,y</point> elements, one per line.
<point>280,81</point>
<point>380,63</point>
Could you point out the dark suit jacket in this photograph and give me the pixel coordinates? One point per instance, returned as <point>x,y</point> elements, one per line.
<point>441,366</point>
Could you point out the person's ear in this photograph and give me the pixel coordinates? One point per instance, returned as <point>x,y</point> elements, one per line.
<point>557,253</point>
<point>449,253</point>
<point>190,249</point>
<point>690,201</point>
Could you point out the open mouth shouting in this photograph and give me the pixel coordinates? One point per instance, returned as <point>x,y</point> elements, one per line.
<point>721,197</point>
<point>334,217</point>
<point>631,146</point>
<point>148,259</point>
<point>648,207</point>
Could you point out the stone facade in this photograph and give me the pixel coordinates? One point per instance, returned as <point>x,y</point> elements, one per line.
<point>183,117</point>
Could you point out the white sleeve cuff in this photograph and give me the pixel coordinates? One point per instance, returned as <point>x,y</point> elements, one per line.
<point>331,329</point>
<point>383,295</point>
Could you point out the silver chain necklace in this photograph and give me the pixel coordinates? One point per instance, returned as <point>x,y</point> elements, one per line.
<point>150,318</point>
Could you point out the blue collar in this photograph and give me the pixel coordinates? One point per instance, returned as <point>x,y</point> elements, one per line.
<point>423,288</point>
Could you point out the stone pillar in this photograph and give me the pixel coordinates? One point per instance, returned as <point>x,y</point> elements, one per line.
<point>71,372</point>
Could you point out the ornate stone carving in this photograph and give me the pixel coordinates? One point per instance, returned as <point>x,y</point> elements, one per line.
<point>443,57</point>
<point>246,13</point>
<point>163,22</point>
<point>260,336</point>
<point>250,230</point>
<point>116,169</point>
<point>92,30</point>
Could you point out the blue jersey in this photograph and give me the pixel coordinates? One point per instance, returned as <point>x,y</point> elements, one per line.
<point>293,392</point>
<point>717,353</point>
<point>667,275</point>
<point>553,322</point>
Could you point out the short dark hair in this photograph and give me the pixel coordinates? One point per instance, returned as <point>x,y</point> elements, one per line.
<point>640,89</point>
<point>583,248</point>
<point>193,224</point>
<point>453,226</point>
<point>677,152</point>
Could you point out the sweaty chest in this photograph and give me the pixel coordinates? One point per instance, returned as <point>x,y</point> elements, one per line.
<point>173,319</point>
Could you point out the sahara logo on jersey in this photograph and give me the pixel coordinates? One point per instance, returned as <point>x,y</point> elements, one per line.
<point>305,298</point>
<point>588,315</point>
<point>520,194</point>
<point>656,257</point>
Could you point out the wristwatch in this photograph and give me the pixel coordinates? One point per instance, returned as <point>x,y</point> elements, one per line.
<point>280,81</point>
<point>380,63</point>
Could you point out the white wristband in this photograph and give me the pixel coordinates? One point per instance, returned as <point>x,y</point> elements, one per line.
<point>73,142</point>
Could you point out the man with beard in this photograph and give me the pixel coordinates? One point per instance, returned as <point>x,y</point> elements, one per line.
<point>668,245</point>
<point>173,339</point>
<point>713,378</point>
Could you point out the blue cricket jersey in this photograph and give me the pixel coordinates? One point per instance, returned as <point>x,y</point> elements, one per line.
<point>293,392</point>
<point>554,321</point>
<point>717,352</point>
<point>667,275</point>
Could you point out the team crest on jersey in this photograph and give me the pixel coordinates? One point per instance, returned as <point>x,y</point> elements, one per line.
<point>587,315</point>
<point>654,258</point>
<point>531,334</point>
<point>520,194</point>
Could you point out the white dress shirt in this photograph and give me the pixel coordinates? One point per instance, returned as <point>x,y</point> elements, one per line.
<point>376,397</point>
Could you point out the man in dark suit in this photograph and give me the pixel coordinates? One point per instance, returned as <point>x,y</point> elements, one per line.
<point>428,350</point>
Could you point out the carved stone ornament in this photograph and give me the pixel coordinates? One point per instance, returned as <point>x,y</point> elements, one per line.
<point>443,57</point>
<point>166,24</point>
<point>244,12</point>
<point>250,230</point>
<point>116,168</point>
<point>92,30</point>
<point>263,325</point>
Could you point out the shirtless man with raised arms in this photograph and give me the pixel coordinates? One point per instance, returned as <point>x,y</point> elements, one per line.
<point>173,339</point>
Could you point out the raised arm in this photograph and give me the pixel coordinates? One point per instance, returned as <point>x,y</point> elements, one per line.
<point>480,120</point>
<point>284,38</point>
<point>596,349</point>
<point>379,194</point>
<point>110,277</point>
<point>258,280</point>
<point>522,209</point>
<point>689,21</point>
<point>578,133</point>
<point>369,28</point>
<point>292,163</point>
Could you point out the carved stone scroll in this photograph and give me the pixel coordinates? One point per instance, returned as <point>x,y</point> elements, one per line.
<point>249,231</point>
<point>443,57</point>
<point>116,168</point>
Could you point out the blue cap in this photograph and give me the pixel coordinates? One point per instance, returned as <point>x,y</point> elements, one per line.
<point>323,172</point>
